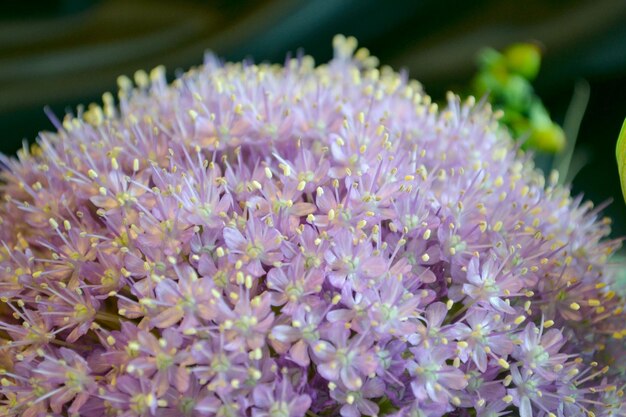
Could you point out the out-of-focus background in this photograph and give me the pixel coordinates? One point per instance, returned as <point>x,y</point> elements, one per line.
<point>61,53</point>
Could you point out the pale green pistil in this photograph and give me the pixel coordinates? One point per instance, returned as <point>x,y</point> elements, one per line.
<point>539,356</point>
<point>294,291</point>
<point>245,323</point>
<point>389,312</point>
<point>310,333</point>
<point>254,251</point>
<point>279,409</point>
<point>351,263</point>
<point>74,381</point>
<point>220,364</point>
<point>428,372</point>
<point>186,406</point>
<point>163,361</point>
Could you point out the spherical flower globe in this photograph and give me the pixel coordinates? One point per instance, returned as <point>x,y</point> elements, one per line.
<point>290,241</point>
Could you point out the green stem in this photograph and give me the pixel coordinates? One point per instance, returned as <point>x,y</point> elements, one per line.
<point>571,126</point>
<point>68,345</point>
<point>107,317</point>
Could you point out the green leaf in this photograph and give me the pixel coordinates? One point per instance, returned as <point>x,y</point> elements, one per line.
<point>620,153</point>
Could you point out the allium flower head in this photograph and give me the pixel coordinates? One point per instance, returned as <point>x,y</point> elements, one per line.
<point>282,241</point>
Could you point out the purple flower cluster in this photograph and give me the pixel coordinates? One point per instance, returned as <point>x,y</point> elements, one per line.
<point>282,241</point>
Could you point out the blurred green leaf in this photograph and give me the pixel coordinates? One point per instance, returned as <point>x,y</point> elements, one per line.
<point>517,93</point>
<point>523,59</point>
<point>506,79</point>
<point>547,138</point>
<point>488,57</point>
<point>620,153</point>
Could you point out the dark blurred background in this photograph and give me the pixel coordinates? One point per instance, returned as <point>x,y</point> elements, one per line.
<point>62,53</point>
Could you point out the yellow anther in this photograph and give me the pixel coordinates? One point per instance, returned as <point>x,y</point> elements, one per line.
<point>503,363</point>
<point>141,78</point>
